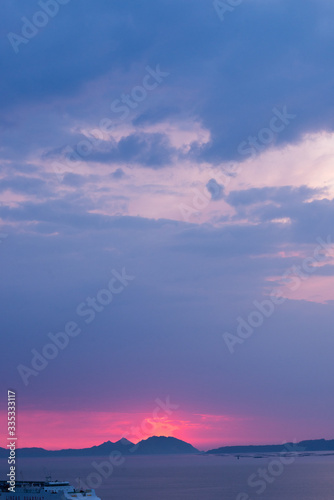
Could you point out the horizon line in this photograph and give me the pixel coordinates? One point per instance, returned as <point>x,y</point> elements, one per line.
<point>215,448</point>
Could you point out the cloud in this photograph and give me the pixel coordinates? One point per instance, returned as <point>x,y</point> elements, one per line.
<point>156,115</point>
<point>148,150</point>
<point>300,216</point>
<point>22,184</point>
<point>73,180</point>
<point>216,190</point>
<point>281,195</point>
<point>226,79</point>
<point>118,174</point>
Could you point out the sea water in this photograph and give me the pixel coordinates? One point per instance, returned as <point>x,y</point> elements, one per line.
<point>197,477</point>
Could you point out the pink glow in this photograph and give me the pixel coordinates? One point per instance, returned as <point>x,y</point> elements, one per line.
<point>56,430</point>
<point>313,289</point>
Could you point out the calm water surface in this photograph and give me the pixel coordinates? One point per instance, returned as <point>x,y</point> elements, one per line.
<point>191,477</point>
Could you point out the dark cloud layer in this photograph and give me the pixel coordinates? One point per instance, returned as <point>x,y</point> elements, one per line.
<point>221,73</point>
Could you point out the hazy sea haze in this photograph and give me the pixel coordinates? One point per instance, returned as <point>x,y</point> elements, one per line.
<point>189,477</point>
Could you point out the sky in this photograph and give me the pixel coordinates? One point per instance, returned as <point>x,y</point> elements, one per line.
<point>167,203</point>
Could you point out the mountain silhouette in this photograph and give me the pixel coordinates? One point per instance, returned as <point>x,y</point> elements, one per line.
<point>154,445</point>
<point>161,445</point>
